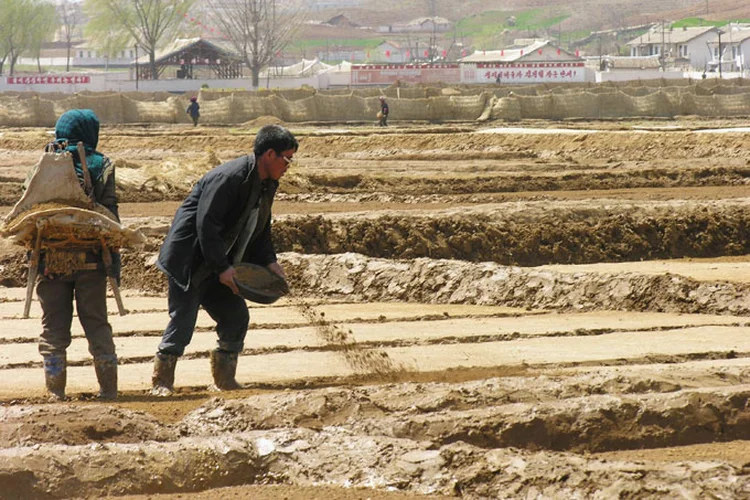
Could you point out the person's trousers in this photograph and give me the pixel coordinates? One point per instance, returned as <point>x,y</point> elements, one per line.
<point>227,309</point>
<point>89,289</point>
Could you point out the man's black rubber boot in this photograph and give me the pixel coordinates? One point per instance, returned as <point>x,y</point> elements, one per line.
<point>55,376</point>
<point>106,374</point>
<point>163,378</point>
<point>223,369</point>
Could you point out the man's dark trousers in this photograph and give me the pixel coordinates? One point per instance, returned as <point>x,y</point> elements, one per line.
<point>227,309</point>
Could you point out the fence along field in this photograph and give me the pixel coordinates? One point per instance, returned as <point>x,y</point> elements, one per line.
<point>662,99</point>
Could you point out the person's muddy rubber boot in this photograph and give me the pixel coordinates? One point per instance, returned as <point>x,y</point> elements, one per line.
<point>55,376</point>
<point>106,374</point>
<point>223,369</point>
<point>162,380</point>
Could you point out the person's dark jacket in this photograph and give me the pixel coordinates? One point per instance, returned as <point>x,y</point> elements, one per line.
<point>105,194</point>
<point>193,110</point>
<point>209,221</point>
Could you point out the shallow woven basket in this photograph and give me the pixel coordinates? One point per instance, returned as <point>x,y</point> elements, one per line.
<point>259,284</point>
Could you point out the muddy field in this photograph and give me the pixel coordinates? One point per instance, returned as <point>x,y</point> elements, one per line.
<point>554,310</point>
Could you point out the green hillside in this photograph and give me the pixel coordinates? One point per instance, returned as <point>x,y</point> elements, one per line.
<point>484,29</point>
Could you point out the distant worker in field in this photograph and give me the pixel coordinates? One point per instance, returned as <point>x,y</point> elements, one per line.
<point>67,273</point>
<point>194,110</point>
<point>226,220</point>
<point>383,112</point>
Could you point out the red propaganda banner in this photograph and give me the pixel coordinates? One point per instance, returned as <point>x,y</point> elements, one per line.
<point>539,72</point>
<point>48,80</point>
<point>386,74</point>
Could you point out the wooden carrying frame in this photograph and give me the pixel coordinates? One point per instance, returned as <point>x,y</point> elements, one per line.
<point>39,240</point>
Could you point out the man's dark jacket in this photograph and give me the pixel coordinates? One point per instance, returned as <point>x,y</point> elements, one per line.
<point>209,221</point>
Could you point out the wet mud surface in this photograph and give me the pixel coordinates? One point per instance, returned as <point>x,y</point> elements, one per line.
<point>448,332</point>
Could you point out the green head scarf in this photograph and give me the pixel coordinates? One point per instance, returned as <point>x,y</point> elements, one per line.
<point>81,125</point>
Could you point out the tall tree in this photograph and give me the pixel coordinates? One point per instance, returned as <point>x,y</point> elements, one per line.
<point>150,24</point>
<point>19,31</point>
<point>70,16</point>
<point>257,30</point>
<point>3,34</point>
<point>41,29</point>
<point>12,30</point>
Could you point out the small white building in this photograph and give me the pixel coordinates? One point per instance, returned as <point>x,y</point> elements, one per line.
<point>429,25</point>
<point>539,62</point>
<point>420,25</point>
<point>735,49</point>
<point>390,52</point>
<point>85,55</point>
<point>81,56</point>
<point>625,68</point>
<point>681,47</point>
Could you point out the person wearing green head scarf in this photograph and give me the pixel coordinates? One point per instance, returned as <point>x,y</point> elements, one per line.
<point>82,125</point>
<point>86,280</point>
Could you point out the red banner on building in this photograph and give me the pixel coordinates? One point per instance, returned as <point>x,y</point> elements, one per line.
<point>386,74</point>
<point>48,80</point>
<point>536,72</point>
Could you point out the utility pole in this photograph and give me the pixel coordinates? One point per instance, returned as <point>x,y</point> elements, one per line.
<point>661,54</point>
<point>720,32</point>
<point>136,66</point>
<point>433,40</point>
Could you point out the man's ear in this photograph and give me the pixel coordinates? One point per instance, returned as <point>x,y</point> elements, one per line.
<point>265,160</point>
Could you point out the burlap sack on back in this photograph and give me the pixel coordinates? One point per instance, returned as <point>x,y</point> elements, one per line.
<point>52,179</point>
<point>54,201</point>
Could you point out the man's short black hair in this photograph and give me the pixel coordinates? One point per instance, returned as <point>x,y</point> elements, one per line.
<point>274,137</point>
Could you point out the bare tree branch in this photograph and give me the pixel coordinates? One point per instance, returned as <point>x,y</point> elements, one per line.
<point>257,30</point>
<point>150,24</point>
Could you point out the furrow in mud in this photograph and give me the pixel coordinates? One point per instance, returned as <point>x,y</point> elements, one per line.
<point>486,283</point>
<point>442,438</point>
<point>481,183</point>
<point>336,457</point>
<point>17,360</point>
<point>448,281</point>
<point>582,143</point>
<point>407,189</point>
<point>595,234</point>
<point>592,423</point>
<point>511,401</point>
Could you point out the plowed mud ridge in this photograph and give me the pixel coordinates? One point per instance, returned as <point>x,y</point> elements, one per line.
<point>553,310</point>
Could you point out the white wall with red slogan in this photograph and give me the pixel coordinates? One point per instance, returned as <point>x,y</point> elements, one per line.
<point>469,73</point>
<point>517,73</point>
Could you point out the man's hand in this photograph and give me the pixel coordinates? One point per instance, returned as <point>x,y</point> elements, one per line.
<point>276,268</point>
<point>227,278</point>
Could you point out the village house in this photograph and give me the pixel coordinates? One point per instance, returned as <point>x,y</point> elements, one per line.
<point>340,21</point>
<point>733,43</point>
<point>390,52</point>
<point>420,25</point>
<point>537,62</point>
<point>685,47</point>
